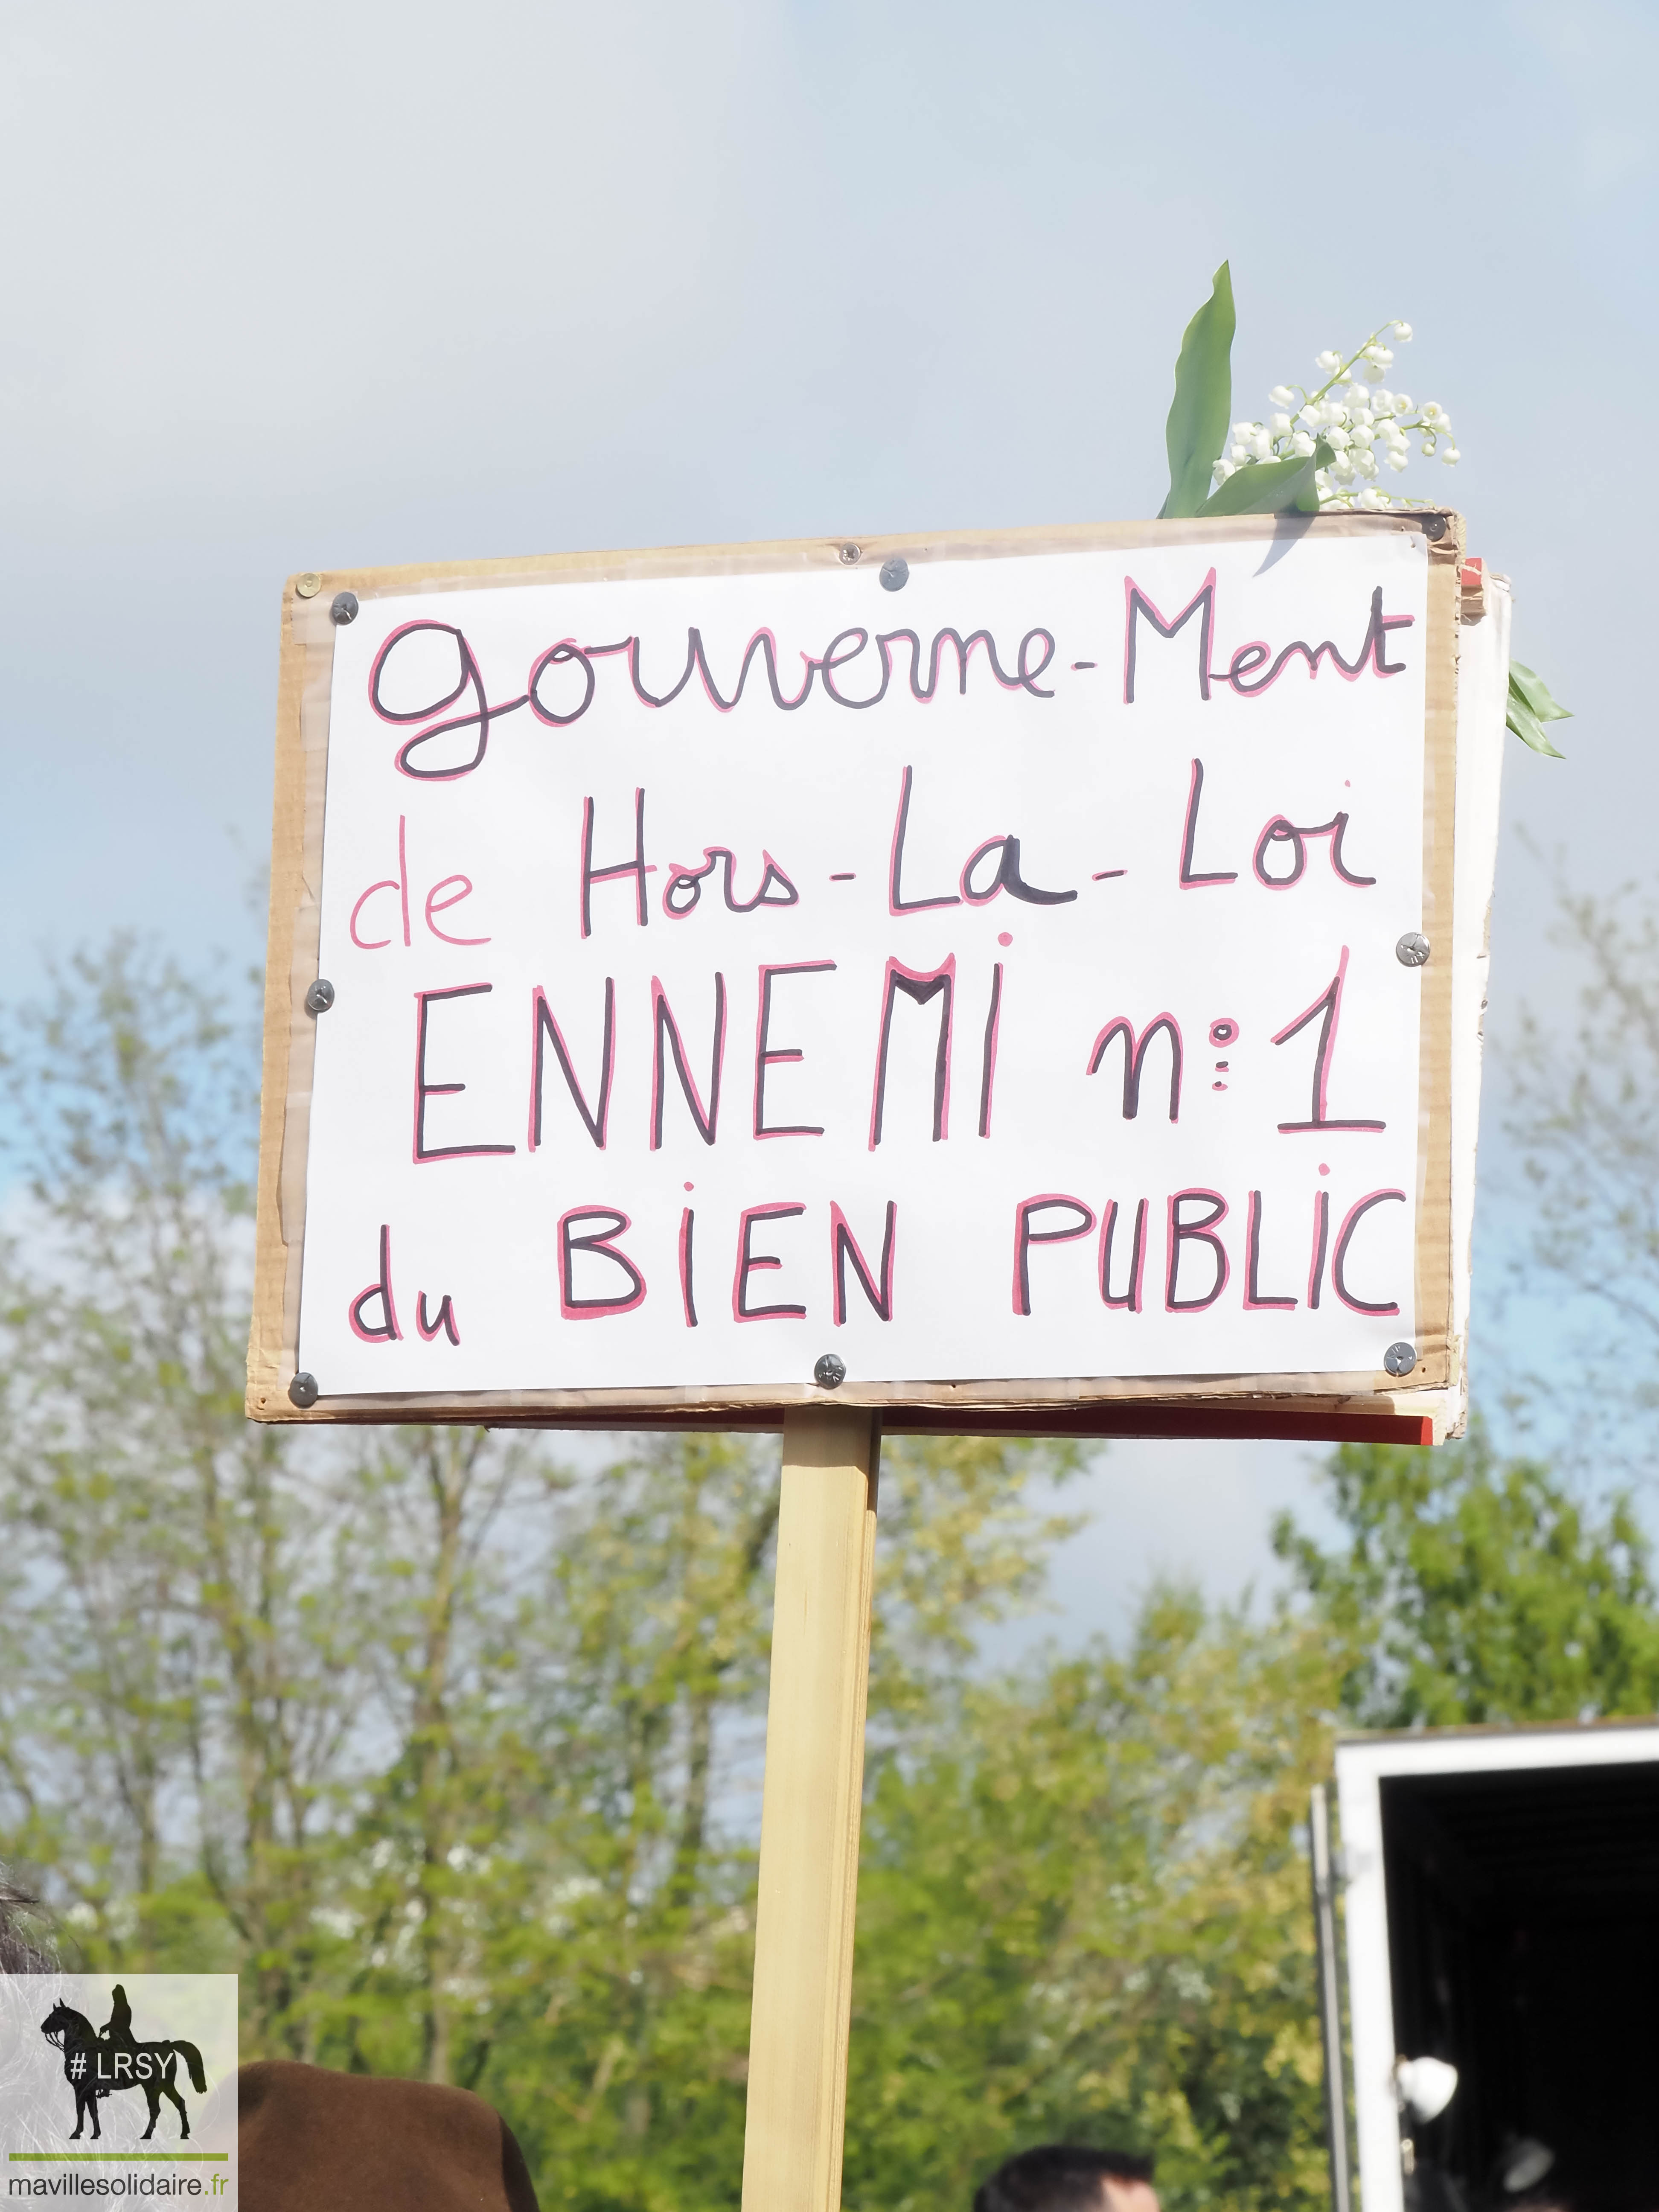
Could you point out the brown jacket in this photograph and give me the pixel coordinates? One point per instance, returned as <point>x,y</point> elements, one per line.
<point>311,2141</point>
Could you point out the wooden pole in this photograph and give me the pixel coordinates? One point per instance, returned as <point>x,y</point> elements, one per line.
<point>809,1810</point>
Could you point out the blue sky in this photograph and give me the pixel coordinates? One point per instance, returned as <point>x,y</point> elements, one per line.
<point>387,283</point>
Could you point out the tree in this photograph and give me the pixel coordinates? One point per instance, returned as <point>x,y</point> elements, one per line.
<point>1584,1117</point>
<point>1472,1590</point>
<point>1083,1916</point>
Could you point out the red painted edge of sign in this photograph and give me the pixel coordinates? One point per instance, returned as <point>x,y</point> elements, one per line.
<point>1130,1420</point>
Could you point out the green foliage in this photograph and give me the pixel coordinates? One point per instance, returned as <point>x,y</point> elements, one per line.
<point>1530,706</point>
<point>1271,488</point>
<point>1475,1590</point>
<point>1198,415</point>
<point>1084,1916</point>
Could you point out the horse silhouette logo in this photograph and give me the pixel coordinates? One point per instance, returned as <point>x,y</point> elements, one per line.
<point>102,2062</point>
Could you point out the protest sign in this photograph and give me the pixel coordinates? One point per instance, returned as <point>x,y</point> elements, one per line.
<point>1019,968</point>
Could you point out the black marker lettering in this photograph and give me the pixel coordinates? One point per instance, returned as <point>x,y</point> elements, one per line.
<point>1189,881</point>
<point>921,988</point>
<point>1351,1221</point>
<point>544,1028</point>
<point>1134,1058</point>
<point>768,1054</point>
<point>425,1090</point>
<point>636,868</point>
<point>843,1247</point>
<point>664,1027</point>
<point>1136,603</point>
<point>1329,1005</point>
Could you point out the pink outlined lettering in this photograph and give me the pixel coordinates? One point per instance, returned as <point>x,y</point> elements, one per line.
<point>470,679</point>
<point>663,1024</point>
<point>388,1331</point>
<point>1188,1232</point>
<point>1136,603</point>
<point>1320,1238</point>
<point>618,1225</point>
<point>425,1090</point>
<point>1008,877</point>
<point>1329,1004</point>
<point>559,656</point>
<point>844,1246</point>
<point>920,985</point>
<point>988,1066</point>
<point>1189,880</point>
<point>1372,654</point>
<point>1134,1058</point>
<point>544,1029</point>
<point>636,868</point>
<point>677,906</point>
<point>897,902</point>
<point>688,1296</point>
<point>1282,831</point>
<point>753,1263</point>
<point>1254,1301</point>
<point>444,1323</point>
<point>767,1056</point>
<point>1351,1221</point>
<point>1025,1236</point>
<point>1131,1300</point>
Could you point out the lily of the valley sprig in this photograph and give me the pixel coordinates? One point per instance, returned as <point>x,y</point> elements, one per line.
<point>1367,427</point>
<point>1321,449</point>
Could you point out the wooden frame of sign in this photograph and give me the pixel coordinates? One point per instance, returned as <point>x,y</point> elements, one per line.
<point>797,2079</point>
<point>1354,1404</point>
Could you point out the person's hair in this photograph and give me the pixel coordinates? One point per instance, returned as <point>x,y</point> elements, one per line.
<point>1058,2178</point>
<point>18,1955</point>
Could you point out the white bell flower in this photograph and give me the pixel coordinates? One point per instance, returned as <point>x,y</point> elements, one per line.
<point>1451,456</point>
<point>1428,448</point>
<point>1309,415</point>
<point>1336,438</point>
<point>1367,497</point>
<point>1329,362</point>
<point>1361,434</point>
<point>1379,354</point>
<point>1243,430</point>
<point>1366,463</point>
<point>1397,461</point>
<point>1342,469</point>
<point>1358,396</point>
<point>1403,332</point>
<point>1280,426</point>
<point>1302,444</point>
<point>1334,411</point>
<point>1262,445</point>
<point>1223,470</point>
<point>1239,455</point>
<point>1375,372</point>
<point>1402,404</point>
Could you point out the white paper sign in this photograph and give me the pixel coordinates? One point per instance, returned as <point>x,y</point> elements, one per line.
<point>990,978</point>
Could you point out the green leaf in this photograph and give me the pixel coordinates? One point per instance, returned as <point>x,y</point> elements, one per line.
<point>1199,416</point>
<point>1268,486</point>
<point>1527,727</point>
<point>1533,692</point>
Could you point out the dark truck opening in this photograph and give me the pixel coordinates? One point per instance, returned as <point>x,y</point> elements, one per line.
<point>1523,1939</point>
